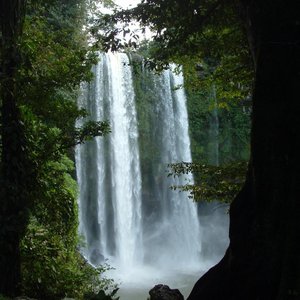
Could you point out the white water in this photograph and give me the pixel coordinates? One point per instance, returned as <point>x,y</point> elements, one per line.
<point>177,229</point>
<point>109,172</point>
<point>128,214</point>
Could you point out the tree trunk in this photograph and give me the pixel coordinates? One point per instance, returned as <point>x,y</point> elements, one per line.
<point>14,166</point>
<point>263,258</point>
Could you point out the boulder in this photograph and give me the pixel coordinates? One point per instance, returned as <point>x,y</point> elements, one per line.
<point>163,292</point>
<point>96,257</point>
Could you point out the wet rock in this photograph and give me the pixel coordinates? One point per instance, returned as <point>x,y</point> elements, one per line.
<point>96,257</point>
<point>163,292</point>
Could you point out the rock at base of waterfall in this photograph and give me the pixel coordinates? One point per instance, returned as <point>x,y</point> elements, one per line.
<point>96,257</point>
<point>163,292</point>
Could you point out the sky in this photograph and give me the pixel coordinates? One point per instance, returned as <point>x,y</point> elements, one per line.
<point>127,3</point>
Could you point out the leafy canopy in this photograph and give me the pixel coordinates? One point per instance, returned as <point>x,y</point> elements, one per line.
<point>207,39</point>
<point>54,59</point>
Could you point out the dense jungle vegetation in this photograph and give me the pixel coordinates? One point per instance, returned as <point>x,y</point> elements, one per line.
<point>220,132</point>
<point>44,58</point>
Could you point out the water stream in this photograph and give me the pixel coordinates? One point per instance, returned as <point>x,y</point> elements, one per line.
<point>128,214</point>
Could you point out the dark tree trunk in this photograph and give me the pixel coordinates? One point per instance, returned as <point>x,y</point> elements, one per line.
<point>263,258</point>
<point>14,166</point>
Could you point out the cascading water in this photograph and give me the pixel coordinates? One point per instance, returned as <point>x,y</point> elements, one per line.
<point>128,213</point>
<point>109,170</point>
<point>174,224</point>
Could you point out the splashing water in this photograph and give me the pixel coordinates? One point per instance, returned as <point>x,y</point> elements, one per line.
<point>128,214</point>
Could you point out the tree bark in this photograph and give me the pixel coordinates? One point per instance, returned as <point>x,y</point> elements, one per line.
<point>14,158</point>
<point>263,258</point>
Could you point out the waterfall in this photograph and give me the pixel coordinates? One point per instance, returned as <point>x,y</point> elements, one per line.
<point>128,213</point>
<point>109,171</point>
<point>174,224</point>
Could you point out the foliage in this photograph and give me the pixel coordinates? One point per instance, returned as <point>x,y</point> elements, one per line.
<point>219,145</point>
<point>219,135</point>
<point>203,36</point>
<point>214,182</point>
<point>146,102</point>
<point>54,59</point>
<point>102,296</point>
<point>52,265</point>
<point>53,270</point>
<point>225,128</point>
<point>207,39</point>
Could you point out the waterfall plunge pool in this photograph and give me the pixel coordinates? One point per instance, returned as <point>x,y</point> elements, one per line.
<point>135,284</point>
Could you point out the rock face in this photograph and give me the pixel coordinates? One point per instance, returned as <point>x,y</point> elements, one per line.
<point>163,292</point>
<point>96,257</point>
